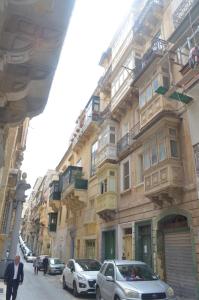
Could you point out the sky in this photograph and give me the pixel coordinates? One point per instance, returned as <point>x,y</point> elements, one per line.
<point>92,26</point>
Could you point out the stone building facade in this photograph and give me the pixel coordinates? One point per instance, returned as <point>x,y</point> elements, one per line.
<point>127,184</point>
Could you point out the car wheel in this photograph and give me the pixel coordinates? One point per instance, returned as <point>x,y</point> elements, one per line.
<point>116,298</point>
<point>98,294</point>
<point>75,291</point>
<point>64,283</point>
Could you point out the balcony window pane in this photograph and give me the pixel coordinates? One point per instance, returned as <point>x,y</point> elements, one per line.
<point>172,132</point>
<point>112,138</point>
<point>154,152</point>
<point>148,93</point>
<point>147,162</point>
<point>155,84</point>
<point>142,99</point>
<point>93,157</point>
<point>174,148</point>
<point>162,150</point>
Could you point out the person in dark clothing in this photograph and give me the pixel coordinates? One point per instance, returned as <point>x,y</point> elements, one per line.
<point>45,264</point>
<point>13,276</point>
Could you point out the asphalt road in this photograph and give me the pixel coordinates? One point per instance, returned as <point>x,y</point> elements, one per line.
<point>42,287</point>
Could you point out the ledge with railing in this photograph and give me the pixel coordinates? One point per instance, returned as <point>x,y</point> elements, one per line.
<point>128,139</point>
<point>181,12</point>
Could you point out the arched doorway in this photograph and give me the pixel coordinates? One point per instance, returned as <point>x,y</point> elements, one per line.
<point>175,255</point>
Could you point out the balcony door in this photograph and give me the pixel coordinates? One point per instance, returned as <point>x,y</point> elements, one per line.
<point>109,244</point>
<point>143,243</point>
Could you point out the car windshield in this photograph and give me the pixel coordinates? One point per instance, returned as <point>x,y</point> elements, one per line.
<point>55,261</point>
<point>88,265</point>
<point>135,272</point>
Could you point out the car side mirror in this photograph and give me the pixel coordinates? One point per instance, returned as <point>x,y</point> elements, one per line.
<point>110,278</point>
<point>72,270</point>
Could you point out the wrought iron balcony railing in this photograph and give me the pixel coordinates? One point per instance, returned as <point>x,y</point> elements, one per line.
<point>128,139</point>
<point>181,12</point>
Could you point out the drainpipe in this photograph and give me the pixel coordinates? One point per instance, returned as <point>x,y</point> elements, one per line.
<point>20,196</point>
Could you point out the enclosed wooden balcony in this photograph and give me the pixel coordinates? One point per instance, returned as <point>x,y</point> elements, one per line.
<point>164,183</point>
<point>106,205</point>
<point>74,187</point>
<point>55,194</point>
<point>86,123</point>
<point>107,154</point>
<point>148,20</point>
<point>189,79</point>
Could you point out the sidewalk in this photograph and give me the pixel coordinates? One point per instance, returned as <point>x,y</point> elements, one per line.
<point>2,291</point>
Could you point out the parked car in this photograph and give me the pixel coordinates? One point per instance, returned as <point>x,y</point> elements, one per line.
<point>125,280</point>
<point>40,262</point>
<point>80,275</point>
<point>30,257</point>
<point>26,252</point>
<point>55,266</point>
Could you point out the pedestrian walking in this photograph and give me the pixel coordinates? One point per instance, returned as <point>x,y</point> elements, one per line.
<point>13,277</point>
<point>36,265</point>
<point>45,264</point>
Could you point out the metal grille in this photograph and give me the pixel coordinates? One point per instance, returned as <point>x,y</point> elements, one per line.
<point>92,283</point>
<point>154,296</point>
<point>179,264</point>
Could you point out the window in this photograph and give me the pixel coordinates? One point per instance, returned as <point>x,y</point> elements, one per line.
<point>109,270</point>
<point>103,186</point>
<point>112,135</point>
<point>147,161</point>
<point>125,176</point>
<point>148,93</point>
<point>174,148</point>
<point>142,99</point>
<point>93,158</point>
<point>154,150</point>
<point>140,169</point>
<point>155,84</point>
<point>173,143</point>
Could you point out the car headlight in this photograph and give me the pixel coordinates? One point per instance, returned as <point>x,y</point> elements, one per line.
<point>170,293</point>
<point>131,294</point>
<point>80,277</point>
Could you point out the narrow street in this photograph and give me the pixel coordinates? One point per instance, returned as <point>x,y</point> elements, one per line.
<point>42,287</point>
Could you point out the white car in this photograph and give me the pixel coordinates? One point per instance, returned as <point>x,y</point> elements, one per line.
<point>80,275</point>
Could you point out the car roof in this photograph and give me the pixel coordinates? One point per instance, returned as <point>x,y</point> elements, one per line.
<point>125,262</point>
